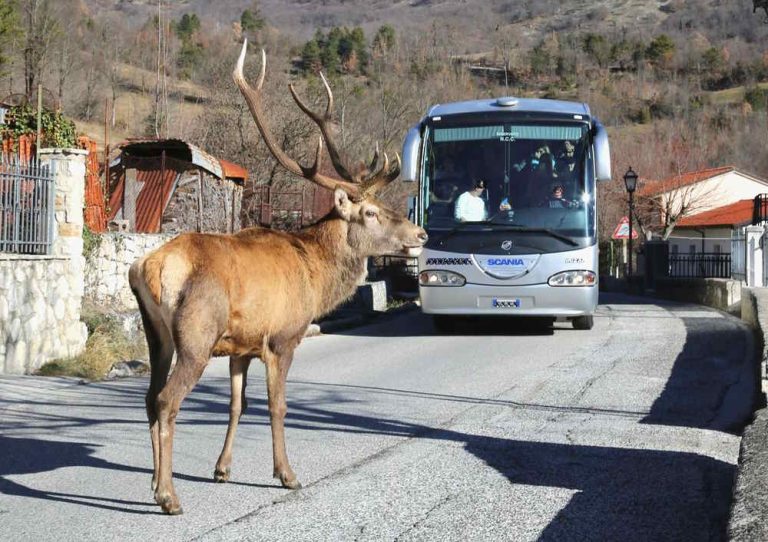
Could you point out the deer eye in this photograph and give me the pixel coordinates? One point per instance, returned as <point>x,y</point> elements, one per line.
<point>370,214</point>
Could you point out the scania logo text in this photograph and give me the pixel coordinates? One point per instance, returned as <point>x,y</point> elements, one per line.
<point>505,261</point>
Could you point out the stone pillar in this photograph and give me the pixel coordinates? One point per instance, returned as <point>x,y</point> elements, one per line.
<point>69,171</point>
<point>68,167</point>
<point>754,259</point>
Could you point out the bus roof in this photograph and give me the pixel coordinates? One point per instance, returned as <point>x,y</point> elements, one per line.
<point>499,105</point>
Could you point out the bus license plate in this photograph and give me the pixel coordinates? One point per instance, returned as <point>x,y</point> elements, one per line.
<point>500,303</point>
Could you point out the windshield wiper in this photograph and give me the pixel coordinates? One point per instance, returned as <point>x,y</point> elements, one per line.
<point>546,231</point>
<point>460,227</point>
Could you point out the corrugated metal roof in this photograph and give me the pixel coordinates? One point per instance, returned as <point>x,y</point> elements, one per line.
<point>233,171</point>
<point>182,150</point>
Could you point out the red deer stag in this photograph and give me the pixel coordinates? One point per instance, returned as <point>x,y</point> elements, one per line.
<point>254,293</point>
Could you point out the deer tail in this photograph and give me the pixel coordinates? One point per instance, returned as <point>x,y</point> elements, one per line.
<point>147,270</point>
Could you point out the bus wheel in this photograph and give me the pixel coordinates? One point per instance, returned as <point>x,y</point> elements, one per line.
<point>444,324</point>
<point>583,322</point>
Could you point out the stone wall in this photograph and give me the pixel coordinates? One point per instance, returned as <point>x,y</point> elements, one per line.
<point>722,294</point>
<point>749,510</point>
<point>106,276</point>
<point>40,296</point>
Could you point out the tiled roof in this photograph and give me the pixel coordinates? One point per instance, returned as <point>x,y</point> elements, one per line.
<point>650,188</point>
<point>727,215</point>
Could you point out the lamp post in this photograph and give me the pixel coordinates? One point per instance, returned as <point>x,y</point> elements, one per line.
<point>630,182</point>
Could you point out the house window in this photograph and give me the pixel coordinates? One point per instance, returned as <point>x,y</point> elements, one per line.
<point>675,249</point>
<point>717,249</point>
<point>691,249</point>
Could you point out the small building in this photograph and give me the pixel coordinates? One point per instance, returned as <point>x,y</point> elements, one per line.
<point>171,186</point>
<point>717,199</point>
<point>711,231</point>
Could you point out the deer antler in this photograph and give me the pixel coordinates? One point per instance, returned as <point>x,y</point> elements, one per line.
<point>253,98</point>
<point>363,184</point>
<point>322,122</point>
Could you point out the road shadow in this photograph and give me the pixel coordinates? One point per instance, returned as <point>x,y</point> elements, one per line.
<point>707,375</point>
<point>417,324</point>
<point>19,456</point>
<point>620,493</point>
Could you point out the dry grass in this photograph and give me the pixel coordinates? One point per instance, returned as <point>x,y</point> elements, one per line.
<point>107,344</point>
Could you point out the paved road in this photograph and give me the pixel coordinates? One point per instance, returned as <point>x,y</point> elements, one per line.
<point>623,432</point>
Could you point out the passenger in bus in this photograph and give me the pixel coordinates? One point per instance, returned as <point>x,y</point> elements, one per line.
<point>541,156</point>
<point>556,199</point>
<point>565,162</point>
<point>470,207</point>
<point>444,192</point>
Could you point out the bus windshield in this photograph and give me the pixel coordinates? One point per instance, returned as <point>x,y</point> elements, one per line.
<point>533,176</point>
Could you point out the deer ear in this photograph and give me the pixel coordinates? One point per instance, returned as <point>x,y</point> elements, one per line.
<point>342,203</point>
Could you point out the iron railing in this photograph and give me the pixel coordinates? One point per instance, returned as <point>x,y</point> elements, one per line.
<point>700,265</point>
<point>26,207</point>
<point>760,210</point>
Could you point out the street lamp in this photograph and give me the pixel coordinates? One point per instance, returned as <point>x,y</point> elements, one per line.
<point>630,181</point>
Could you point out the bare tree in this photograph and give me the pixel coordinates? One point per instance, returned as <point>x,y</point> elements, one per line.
<point>40,28</point>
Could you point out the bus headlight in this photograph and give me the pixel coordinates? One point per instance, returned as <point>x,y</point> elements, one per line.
<point>441,278</point>
<point>573,278</point>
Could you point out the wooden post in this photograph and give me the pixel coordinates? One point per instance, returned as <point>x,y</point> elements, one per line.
<point>38,141</point>
<point>199,200</point>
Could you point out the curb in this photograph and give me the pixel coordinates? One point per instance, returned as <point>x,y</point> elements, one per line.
<point>357,320</point>
<point>751,489</point>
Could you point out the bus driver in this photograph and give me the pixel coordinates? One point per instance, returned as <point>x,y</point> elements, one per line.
<point>470,207</point>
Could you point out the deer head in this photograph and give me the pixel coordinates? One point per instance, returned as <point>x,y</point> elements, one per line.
<point>374,228</point>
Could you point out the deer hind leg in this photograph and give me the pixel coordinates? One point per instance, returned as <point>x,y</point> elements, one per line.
<point>277,364</point>
<point>160,345</point>
<point>238,376</point>
<point>197,326</point>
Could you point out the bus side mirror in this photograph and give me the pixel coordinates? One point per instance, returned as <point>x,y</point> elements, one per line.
<point>410,169</point>
<point>602,153</point>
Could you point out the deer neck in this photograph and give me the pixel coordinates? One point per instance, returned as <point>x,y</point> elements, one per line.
<point>338,268</point>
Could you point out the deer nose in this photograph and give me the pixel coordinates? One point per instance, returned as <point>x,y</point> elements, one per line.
<point>423,236</point>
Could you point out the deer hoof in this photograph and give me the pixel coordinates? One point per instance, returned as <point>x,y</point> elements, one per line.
<point>170,506</point>
<point>221,476</point>
<point>290,483</point>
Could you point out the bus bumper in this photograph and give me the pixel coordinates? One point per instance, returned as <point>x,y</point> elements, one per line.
<point>532,300</point>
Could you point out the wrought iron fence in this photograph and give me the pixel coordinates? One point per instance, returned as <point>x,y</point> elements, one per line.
<point>26,207</point>
<point>700,265</point>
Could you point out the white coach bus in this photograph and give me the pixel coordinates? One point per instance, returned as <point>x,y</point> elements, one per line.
<point>507,193</point>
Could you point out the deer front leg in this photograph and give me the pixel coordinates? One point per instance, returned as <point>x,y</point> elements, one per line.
<point>277,370</point>
<point>238,376</point>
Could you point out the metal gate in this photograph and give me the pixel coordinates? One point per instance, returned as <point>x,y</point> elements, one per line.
<point>27,193</point>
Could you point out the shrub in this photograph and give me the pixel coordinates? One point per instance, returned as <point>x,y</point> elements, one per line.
<point>107,344</point>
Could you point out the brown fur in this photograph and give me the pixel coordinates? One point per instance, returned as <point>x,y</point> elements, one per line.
<point>251,294</point>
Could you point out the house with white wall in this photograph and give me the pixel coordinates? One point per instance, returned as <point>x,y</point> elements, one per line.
<point>714,202</point>
<point>711,230</point>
